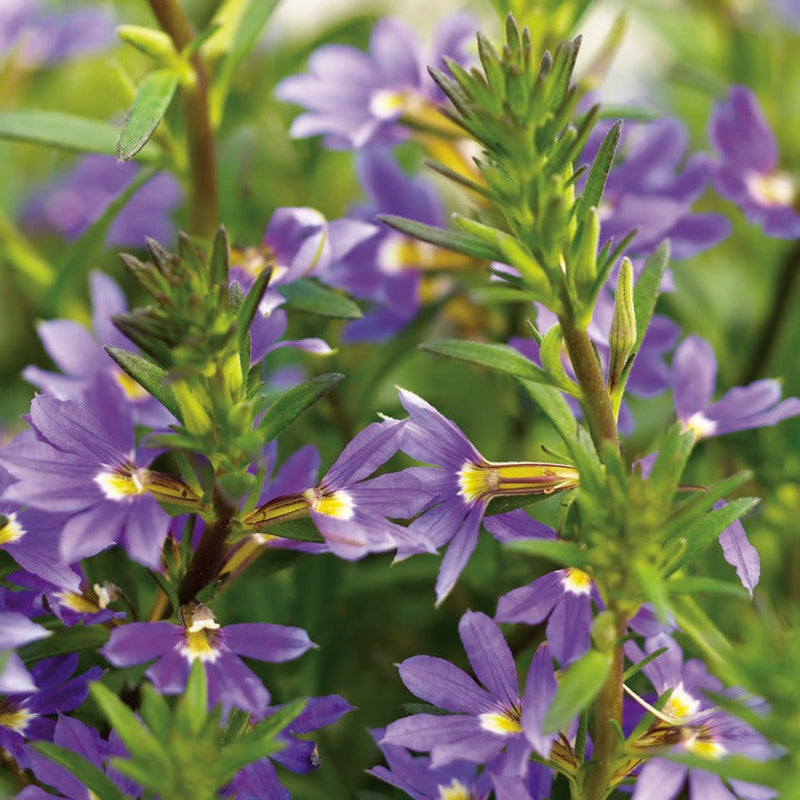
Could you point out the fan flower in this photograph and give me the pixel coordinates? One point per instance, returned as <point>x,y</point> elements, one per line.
<point>484,721</point>
<point>464,485</point>
<point>15,631</point>
<point>745,171</point>
<point>693,380</point>
<point>355,99</point>
<point>83,466</point>
<point>177,647</point>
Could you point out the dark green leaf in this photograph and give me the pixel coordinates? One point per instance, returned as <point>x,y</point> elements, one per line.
<point>191,715</point>
<point>65,640</point>
<point>151,102</point>
<point>596,181</point>
<point>148,375</point>
<point>448,239</point>
<point>91,777</point>
<point>249,309</point>
<point>58,129</point>
<point>499,357</point>
<point>307,295</point>
<point>578,686</point>
<point>293,402</point>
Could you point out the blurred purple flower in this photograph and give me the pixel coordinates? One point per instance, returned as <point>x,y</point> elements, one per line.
<point>16,630</point>
<point>69,204</point>
<point>176,647</point>
<point>355,99</point>
<point>37,35</point>
<point>745,171</point>
<point>82,359</point>
<point>693,381</point>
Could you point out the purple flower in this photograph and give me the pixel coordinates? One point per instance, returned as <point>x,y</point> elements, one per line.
<point>647,191</point>
<point>83,466</point>
<point>378,264</point>
<point>38,35</point>
<point>260,780</point>
<point>353,514</point>
<point>704,731</point>
<point>464,484</point>
<point>564,599</point>
<point>355,99</point>
<point>176,647</point>
<point>69,204</point>
<point>739,553</point>
<point>74,735</point>
<point>486,719</point>
<point>24,715</point>
<point>15,631</point>
<point>745,171</point>
<point>82,359</point>
<point>693,380</point>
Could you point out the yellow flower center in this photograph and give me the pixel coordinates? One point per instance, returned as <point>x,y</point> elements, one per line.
<point>388,104</point>
<point>699,426</point>
<point>338,504</point>
<point>11,531</point>
<point>504,722</point>
<point>200,636</point>
<point>576,581</point>
<point>87,601</point>
<point>775,189</point>
<point>454,791</point>
<point>700,743</point>
<point>681,705</point>
<point>117,484</point>
<point>14,717</point>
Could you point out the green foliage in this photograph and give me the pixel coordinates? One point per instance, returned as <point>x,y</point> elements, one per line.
<point>152,100</point>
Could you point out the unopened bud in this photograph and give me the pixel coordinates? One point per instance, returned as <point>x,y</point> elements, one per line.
<point>622,338</point>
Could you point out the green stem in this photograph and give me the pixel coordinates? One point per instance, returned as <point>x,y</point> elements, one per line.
<point>203,212</point>
<point>596,401</point>
<point>608,709</point>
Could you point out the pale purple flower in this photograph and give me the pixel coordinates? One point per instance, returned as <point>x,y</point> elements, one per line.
<point>651,190</point>
<point>705,731</point>
<point>746,168</point>
<point>70,203</point>
<point>37,35</point>
<point>83,466</point>
<point>694,374</point>
<point>464,484</point>
<point>739,553</point>
<point>15,631</point>
<point>177,647</point>
<point>355,98</point>
<point>486,718</point>
<point>82,359</point>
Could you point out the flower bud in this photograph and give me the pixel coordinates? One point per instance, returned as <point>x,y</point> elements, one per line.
<point>622,338</point>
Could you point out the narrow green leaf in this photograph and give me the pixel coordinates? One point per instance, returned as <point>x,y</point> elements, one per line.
<point>555,408</point>
<point>191,714</point>
<point>703,585</point>
<point>141,744</point>
<point>151,102</point>
<point>448,239</point>
<point>148,375</point>
<point>693,621</point>
<point>640,665</point>
<point>596,181</point>
<point>499,357</point>
<point>550,352</point>
<point>646,289</point>
<point>238,722</point>
<point>672,456</point>
<point>651,582</point>
<point>155,712</point>
<point>308,295</point>
<point>91,777</point>
<point>58,129</point>
<point>249,309</point>
<point>708,528</point>
<point>301,530</point>
<point>578,686</point>
<point>65,640</point>
<point>293,402</point>
<point>566,554</point>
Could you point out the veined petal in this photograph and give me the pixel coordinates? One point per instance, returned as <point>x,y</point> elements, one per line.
<point>458,552</point>
<point>371,448</point>
<point>694,376</point>
<point>88,532</point>
<point>266,642</point>
<point>568,627</point>
<point>138,642</point>
<point>444,685</point>
<point>540,689</point>
<point>532,603</point>
<point>739,553</point>
<point>71,346</point>
<point>708,786</point>
<point>659,780</point>
<point>232,684</point>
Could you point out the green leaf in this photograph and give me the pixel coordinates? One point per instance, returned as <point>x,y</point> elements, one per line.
<point>155,712</point>
<point>148,375</point>
<point>693,621</point>
<point>308,295</point>
<point>651,582</point>
<point>141,744</point>
<point>707,529</point>
<point>578,686</point>
<point>65,640</point>
<point>293,402</point>
<point>151,102</point>
<point>646,290</point>
<point>499,357</point>
<point>191,713</point>
<point>703,585</point>
<point>596,181</point>
<point>58,129</point>
<point>91,777</point>
<point>247,312</point>
<point>560,552</point>
<point>640,665</point>
<point>450,240</point>
<point>555,408</point>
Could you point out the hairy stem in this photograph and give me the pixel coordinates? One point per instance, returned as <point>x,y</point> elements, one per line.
<point>596,400</point>
<point>203,213</point>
